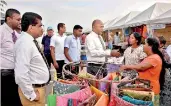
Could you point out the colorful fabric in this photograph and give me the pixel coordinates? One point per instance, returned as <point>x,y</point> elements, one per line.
<point>73,102</point>
<point>117,101</point>
<point>51,100</point>
<point>80,95</point>
<point>157,100</point>
<point>140,95</point>
<point>145,32</point>
<point>89,102</point>
<point>97,92</point>
<point>137,102</point>
<point>103,101</point>
<point>153,73</point>
<point>104,86</point>
<point>112,67</point>
<point>62,88</point>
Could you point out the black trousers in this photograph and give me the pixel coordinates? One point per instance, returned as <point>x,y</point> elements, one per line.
<point>59,70</point>
<point>49,59</point>
<point>9,89</point>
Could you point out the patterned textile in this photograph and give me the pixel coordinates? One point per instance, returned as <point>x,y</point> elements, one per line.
<point>165,99</point>
<point>112,67</point>
<point>157,100</point>
<point>62,88</point>
<point>89,102</point>
<point>131,73</point>
<point>140,95</point>
<point>73,102</point>
<point>80,95</point>
<point>134,56</point>
<point>137,102</point>
<point>117,101</point>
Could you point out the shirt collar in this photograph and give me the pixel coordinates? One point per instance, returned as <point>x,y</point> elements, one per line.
<point>28,35</point>
<point>96,35</point>
<point>8,28</point>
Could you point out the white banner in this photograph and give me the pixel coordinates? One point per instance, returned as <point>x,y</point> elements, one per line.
<point>158,26</point>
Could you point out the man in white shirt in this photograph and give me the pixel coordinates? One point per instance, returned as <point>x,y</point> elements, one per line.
<point>31,68</point>
<point>9,89</point>
<point>95,45</point>
<point>72,47</point>
<point>116,38</point>
<point>57,49</point>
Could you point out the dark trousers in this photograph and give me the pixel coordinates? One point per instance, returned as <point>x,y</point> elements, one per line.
<point>59,70</point>
<point>49,59</point>
<point>9,89</point>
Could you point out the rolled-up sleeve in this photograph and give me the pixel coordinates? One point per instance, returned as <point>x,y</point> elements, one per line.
<point>52,41</point>
<point>23,56</point>
<point>67,42</point>
<point>94,52</point>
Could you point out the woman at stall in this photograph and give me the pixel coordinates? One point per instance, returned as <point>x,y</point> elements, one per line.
<point>151,68</point>
<point>134,54</point>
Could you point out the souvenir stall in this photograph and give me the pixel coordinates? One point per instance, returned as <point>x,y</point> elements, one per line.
<point>108,87</point>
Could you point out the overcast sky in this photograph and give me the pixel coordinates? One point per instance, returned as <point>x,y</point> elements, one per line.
<point>82,12</point>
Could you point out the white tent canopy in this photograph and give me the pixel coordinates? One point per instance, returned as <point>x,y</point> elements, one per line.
<point>112,22</point>
<point>125,19</point>
<point>88,30</point>
<point>149,14</point>
<point>164,18</point>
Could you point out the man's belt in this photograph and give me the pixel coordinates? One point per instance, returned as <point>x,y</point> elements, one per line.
<point>39,85</point>
<point>5,72</point>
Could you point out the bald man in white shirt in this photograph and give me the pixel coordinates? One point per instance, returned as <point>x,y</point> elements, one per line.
<point>95,45</point>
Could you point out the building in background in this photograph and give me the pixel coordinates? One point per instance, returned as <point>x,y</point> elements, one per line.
<point>3,7</point>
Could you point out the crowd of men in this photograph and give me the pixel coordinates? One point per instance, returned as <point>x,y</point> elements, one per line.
<point>25,67</point>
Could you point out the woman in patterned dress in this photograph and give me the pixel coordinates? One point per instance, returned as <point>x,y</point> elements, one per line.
<point>134,54</point>
<point>152,68</point>
<point>165,99</point>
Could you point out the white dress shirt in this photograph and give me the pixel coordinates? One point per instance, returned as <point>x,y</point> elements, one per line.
<point>74,46</point>
<point>30,67</point>
<point>57,41</point>
<point>7,47</point>
<point>168,50</point>
<point>95,49</point>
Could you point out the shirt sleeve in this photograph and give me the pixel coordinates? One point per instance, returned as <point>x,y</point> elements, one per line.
<point>52,41</point>
<point>23,56</point>
<point>94,52</point>
<point>152,62</point>
<point>67,42</point>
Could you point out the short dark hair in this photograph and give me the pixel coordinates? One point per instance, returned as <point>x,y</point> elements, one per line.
<point>10,12</point>
<point>138,37</point>
<point>60,25</point>
<point>29,18</point>
<point>77,27</point>
<point>162,40</point>
<point>117,33</point>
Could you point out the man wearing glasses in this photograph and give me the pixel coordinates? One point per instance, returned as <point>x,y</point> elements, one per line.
<point>31,67</point>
